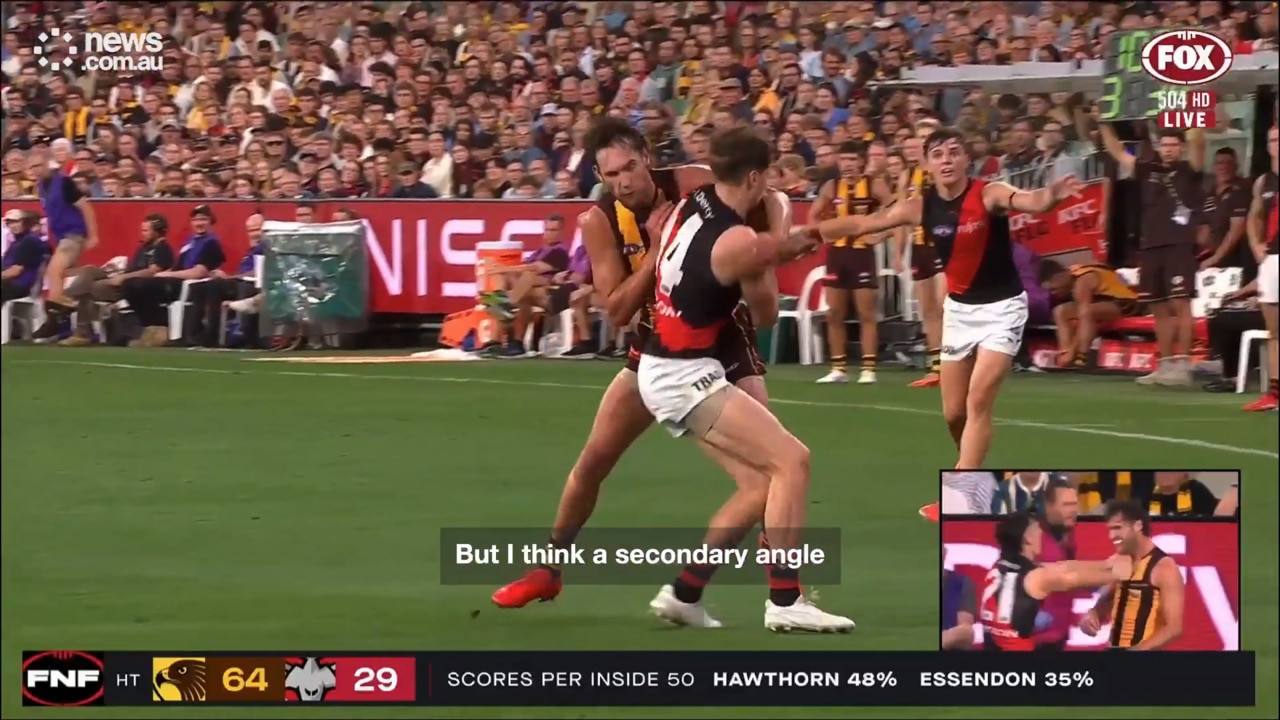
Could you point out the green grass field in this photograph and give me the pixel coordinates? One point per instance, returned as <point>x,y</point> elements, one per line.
<point>187,500</point>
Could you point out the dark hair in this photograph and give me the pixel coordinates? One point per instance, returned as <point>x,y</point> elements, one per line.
<point>1010,531</point>
<point>737,152</point>
<point>1049,269</point>
<point>1054,486</point>
<point>1229,152</point>
<point>607,131</point>
<point>942,136</point>
<point>1129,511</point>
<point>556,218</point>
<point>1174,133</point>
<point>159,225</point>
<point>852,147</point>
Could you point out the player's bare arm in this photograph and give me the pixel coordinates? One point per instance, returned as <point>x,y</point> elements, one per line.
<point>1100,613</point>
<point>761,293</point>
<point>1256,222</point>
<point>1004,197</point>
<point>1111,143</point>
<point>623,295</point>
<point>902,235</point>
<point>872,227</point>
<point>824,203</point>
<point>961,636</point>
<point>1075,574</point>
<point>1197,150</point>
<point>1168,581</point>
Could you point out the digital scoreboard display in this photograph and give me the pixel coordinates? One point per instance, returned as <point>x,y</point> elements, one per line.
<point>1128,92</point>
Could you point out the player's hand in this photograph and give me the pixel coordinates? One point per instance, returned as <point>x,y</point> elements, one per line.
<point>1121,566</point>
<point>116,280</point>
<point>803,240</point>
<point>662,207</point>
<point>1065,187</point>
<point>1091,624</point>
<point>91,242</point>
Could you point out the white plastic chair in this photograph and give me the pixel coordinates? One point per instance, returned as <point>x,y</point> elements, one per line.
<point>35,304</point>
<point>808,337</point>
<point>1242,369</point>
<point>225,314</point>
<point>178,309</point>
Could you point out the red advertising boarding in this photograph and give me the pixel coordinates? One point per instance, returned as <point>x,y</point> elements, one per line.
<point>422,252</point>
<point>1207,553</point>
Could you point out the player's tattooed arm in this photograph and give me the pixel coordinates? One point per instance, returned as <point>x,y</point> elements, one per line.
<point>623,295</point>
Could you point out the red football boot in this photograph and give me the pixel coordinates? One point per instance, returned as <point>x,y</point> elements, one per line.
<point>538,584</point>
<point>930,380</point>
<point>1265,403</point>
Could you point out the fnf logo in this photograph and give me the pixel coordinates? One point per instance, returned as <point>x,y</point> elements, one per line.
<point>1187,57</point>
<point>63,678</point>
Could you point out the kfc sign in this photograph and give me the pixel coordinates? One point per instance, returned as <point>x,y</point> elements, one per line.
<point>1207,552</point>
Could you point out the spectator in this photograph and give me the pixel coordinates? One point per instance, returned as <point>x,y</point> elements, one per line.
<point>237,292</point>
<point>1020,492</point>
<point>1229,505</point>
<point>412,186</point>
<point>24,255</point>
<point>93,285</point>
<point>149,296</point>
<point>967,493</point>
<point>959,609</point>
<point>1180,494</point>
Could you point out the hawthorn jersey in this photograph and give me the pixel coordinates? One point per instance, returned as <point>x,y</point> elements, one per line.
<point>633,239</point>
<point>974,245</point>
<point>691,306</point>
<point>1008,613</point>
<point>1135,608</point>
<point>918,181</point>
<point>853,197</point>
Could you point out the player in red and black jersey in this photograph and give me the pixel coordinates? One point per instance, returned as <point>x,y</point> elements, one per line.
<point>1015,589</point>
<point>1263,226</point>
<point>617,233</point>
<point>986,307</point>
<point>709,261</point>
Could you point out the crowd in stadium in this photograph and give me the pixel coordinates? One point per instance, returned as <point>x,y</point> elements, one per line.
<point>314,101</point>
<point>1167,494</point>
<point>478,100</point>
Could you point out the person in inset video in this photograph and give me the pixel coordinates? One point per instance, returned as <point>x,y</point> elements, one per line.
<point>1144,608</point>
<point>959,608</point>
<point>1060,506</point>
<point>1012,609</point>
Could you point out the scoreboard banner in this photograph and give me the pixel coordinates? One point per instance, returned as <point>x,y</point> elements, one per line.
<point>563,679</point>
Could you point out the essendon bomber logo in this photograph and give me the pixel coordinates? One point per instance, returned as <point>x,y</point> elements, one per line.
<point>63,678</point>
<point>1187,57</point>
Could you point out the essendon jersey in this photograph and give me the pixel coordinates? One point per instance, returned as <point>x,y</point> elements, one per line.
<point>1008,613</point>
<point>1271,202</point>
<point>974,245</point>
<point>690,304</point>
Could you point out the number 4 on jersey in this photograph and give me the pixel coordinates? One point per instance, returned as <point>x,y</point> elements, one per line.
<point>675,245</point>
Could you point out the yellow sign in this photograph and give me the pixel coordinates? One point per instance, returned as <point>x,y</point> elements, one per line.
<point>178,679</point>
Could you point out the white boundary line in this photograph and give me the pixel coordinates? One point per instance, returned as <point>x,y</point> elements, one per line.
<point>1068,428</point>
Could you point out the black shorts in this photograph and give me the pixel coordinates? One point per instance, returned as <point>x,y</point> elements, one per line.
<point>558,297</point>
<point>1167,273</point>
<point>925,263</point>
<point>735,348</point>
<point>851,268</point>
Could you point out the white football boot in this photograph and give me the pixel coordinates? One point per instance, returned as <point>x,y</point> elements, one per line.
<point>835,376</point>
<point>668,607</point>
<point>803,617</point>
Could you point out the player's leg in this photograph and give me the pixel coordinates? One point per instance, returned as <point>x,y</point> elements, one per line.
<point>735,424</point>
<point>621,419</point>
<point>988,372</point>
<point>1064,319</point>
<point>837,333</point>
<point>1153,291</point>
<point>867,302</point>
<point>1181,283</point>
<point>930,291</point>
<point>1268,296</point>
<point>1002,324</point>
<point>959,342</point>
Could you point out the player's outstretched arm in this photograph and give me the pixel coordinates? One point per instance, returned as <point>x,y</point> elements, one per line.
<point>1168,580</point>
<point>622,295</point>
<point>1004,197</point>
<point>871,228</point>
<point>1075,574</point>
<point>1111,143</point>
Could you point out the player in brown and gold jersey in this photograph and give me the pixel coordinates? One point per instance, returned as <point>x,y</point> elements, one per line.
<point>852,270</point>
<point>1097,295</point>
<point>1145,611</point>
<point>928,287</point>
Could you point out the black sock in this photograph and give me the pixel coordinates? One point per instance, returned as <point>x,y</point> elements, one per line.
<point>691,581</point>
<point>784,582</point>
<point>559,539</point>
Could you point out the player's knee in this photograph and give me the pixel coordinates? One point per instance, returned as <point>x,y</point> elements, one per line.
<point>980,402</point>
<point>792,463</point>
<point>1062,312</point>
<point>954,414</point>
<point>596,461</point>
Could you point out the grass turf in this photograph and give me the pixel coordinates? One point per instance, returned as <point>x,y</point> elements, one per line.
<point>178,500</point>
